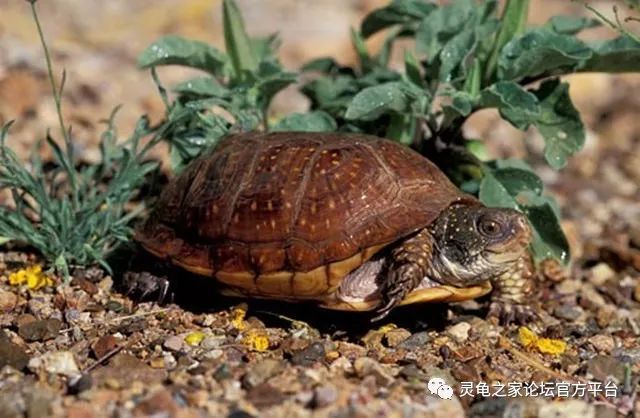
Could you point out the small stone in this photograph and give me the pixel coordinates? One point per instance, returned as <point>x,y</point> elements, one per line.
<point>366,366</point>
<point>569,287</point>
<point>159,403</point>
<point>396,336</point>
<point>602,343</point>
<point>260,372</point>
<point>636,292</point>
<point>12,354</point>
<point>209,343</point>
<point>308,356</point>
<point>601,367</point>
<point>174,343</point>
<point>324,396</point>
<point>56,362</point>
<point>601,273</point>
<point>265,395</point>
<point>341,364</point>
<point>605,315</point>
<point>417,340</point>
<point>459,332</point>
<point>569,312</point>
<point>39,402</point>
<point>104,345</point>
<point>127,369</point>
<point>8,301</point>
<point>40,330</point>
<point>157,363</point>
<point>572,408</point>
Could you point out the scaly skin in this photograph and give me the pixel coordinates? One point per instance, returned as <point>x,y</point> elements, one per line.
<point>410,262</point>
<point>465,246</point>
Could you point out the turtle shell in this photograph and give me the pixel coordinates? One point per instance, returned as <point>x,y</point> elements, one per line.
<point>290,214</point>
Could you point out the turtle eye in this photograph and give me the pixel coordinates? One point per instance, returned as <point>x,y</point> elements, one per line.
<point>489,227</point>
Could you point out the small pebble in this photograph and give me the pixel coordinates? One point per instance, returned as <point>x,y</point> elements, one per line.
<point>396,336</point>
<point>104,345</point>
<point>366,366</point>
<point>324,396</point>
<point>417,340</point>
<point>40,330</point>
<point>569,312</point>
<point>308,356</point>
<point>12,354</point>
<point>56,362</point>
<point>8,301</point>
<point>174,343</point>
<point>602,343</point>
<point>262,371</point>
<point>459,332</point>
<point>600,274</point>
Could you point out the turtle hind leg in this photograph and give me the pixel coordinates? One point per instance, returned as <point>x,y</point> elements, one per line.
<point>410,263</point>
<point>511,289</point>
<point>143,284</point>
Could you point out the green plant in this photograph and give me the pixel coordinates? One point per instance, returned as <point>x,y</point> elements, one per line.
<point>74,214</point>
<point>466,58</point>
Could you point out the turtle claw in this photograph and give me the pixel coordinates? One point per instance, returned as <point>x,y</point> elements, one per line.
<point>143,284</point>
<point>509,313</point>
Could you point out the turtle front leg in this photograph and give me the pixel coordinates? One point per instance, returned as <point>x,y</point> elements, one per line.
<point>409,264</point>
<point>511,290</point>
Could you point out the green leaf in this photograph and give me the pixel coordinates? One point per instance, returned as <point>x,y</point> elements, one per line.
<point>366,62</point>
<point>455,51</point>
<point>513,23</point>
<point>372,102</point>
<point>398,12</point>
<point>516,105</point>
<point>614,56</point>
<point>174,50</point>
<point>202,86</point>
<point>317,121</point>
<point>571,25</point>
<point>412,69</point>
<point>441,25</point>
<point>559,123</point>
<point>540,52</point>
<point>324,65</point>
<point>462,104</point>
<point>4,240</point>
<point>392,97</point>
<point>237,42</point>
<point>521,189</point>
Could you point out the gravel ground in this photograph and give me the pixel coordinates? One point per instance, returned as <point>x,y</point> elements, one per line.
<point>84,349</point>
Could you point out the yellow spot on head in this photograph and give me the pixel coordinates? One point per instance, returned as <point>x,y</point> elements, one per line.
<point>254,205</point>
<point>303,221</point>
<point>332,204</point>
<point>273,224</point>
<point>269,205</point>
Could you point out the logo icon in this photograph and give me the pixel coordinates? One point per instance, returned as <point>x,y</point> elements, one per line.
<point>439,387</point>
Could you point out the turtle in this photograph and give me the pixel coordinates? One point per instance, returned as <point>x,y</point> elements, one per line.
<point>347,221</point>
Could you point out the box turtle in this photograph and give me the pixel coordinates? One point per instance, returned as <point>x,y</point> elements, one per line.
<point>351,221</point>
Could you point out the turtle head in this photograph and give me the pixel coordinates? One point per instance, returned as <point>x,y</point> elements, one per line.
<point>476,243</point>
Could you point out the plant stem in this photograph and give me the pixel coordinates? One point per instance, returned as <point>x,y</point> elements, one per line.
<point>57,99</point>
<point>56,93</point>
